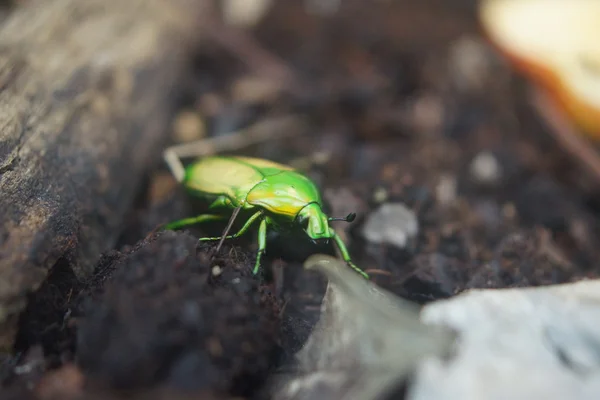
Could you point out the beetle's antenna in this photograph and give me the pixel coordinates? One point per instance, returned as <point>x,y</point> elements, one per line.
<point>348,218</point>
<point>234,214</point>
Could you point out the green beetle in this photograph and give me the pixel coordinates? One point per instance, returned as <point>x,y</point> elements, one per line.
<point>279,196</point>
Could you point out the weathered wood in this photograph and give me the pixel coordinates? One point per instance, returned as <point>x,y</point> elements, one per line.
<point>85,97</point>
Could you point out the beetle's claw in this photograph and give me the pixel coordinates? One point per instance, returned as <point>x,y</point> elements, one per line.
<point>360,271</point>
<point>256,268</point>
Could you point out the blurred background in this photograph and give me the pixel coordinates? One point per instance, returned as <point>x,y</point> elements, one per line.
<point>463,134</point>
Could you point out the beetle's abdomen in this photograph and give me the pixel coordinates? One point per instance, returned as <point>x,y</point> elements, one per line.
<point>221,176</point>
<point>284,194</point>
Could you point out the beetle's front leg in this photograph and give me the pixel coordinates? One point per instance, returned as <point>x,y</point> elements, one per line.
<point>345,254</point>
<point>262,244</point>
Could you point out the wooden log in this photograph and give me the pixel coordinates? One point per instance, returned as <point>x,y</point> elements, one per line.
<point>86,94</point>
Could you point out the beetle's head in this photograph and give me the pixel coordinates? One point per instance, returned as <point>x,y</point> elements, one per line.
<point>316,223</point>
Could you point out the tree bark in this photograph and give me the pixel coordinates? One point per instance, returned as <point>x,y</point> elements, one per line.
<point>86,94</point>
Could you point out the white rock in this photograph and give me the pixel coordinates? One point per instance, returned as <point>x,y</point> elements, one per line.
<point>245,13</point>
<point>485,168</point>
<point>533,343</point>
<point>392,223</point>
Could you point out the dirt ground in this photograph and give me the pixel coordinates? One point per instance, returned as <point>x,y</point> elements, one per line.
<point>411,106</point>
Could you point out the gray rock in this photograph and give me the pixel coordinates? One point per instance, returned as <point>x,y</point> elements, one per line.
<point>485,168</point>
<point>534,343</point>
<point>392,223</point>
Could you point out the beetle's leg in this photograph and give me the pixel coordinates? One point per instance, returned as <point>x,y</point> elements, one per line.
<point>274,128</point>
<point>346,254</point>
<point>242,230</point>
<point>221,202</point>
<point>262,244</point>
<point>193,220</point>
<point>234,215</point>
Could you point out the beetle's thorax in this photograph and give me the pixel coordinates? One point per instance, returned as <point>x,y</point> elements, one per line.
<point>317,224</point>
<point>283,194</point>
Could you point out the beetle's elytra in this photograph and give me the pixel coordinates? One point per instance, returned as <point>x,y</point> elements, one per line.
<point>280,196</point>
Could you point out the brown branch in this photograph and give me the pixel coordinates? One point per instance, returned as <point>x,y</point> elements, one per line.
<point>85,99</point>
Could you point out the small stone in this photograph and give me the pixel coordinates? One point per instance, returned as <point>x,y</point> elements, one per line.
<point>380,195</point>
<point>321,157</point>
<point>245,13</point>
<point>485,168</point>
<point>471,63</point>
<point>188,126</point>
<point>392,223</point>
<point>428,113</point>
<point>446,190</point>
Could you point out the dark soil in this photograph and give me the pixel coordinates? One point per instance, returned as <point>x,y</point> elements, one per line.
<point>408,100</point>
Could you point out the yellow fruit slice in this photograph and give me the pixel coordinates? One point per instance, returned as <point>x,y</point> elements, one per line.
<point>556,43</point>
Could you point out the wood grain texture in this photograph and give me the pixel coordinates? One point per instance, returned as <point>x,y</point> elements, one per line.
<point>86,94</point>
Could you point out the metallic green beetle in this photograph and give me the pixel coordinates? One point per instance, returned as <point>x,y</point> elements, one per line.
<point>280,197</point>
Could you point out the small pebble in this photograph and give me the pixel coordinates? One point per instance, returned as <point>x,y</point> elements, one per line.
<point>245,13</point>
<point>380,195</point>
<point>321,157</point>
<point>392,223</point>
<point>428,113</point>
<point>188,126</point>
<point>485,168</point>
<point>445,190</point>
<point>470,63</point>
